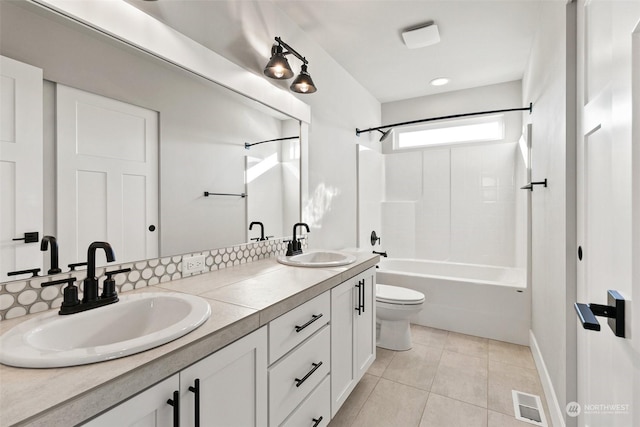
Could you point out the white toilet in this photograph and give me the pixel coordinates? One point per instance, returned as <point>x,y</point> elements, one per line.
<point>394,307</point>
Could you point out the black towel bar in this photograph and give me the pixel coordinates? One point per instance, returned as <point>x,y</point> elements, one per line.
<point>207,194</point>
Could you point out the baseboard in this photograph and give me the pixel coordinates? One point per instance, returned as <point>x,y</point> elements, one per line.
<point>556,414</point>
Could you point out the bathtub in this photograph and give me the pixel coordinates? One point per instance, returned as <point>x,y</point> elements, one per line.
<point>481,300</point>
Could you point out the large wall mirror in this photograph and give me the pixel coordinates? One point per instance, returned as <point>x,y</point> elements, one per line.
<point>131,143</point>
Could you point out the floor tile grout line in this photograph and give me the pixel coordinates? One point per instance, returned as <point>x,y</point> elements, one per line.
<point>407,385</point>
<point>424,408</point>
<point>458,400</point>
<point>365,401</point>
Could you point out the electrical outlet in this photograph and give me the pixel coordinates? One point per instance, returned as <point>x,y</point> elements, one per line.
<point>193,264</point>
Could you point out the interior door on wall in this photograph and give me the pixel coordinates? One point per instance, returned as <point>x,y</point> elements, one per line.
<point>607,364</point>
<point>21,202</point>
<point>107,176</point>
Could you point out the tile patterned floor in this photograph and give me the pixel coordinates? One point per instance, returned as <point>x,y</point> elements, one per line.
<point>446,380</point>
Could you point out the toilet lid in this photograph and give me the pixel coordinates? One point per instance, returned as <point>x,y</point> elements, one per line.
<point>398,295</point>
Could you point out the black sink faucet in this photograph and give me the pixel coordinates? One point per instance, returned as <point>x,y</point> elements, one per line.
<point>91,282</point>
<point>294,245</point>
<point>50,242</point>
<point>261,229</point>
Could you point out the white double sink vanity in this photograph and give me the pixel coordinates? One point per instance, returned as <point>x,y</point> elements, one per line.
<point>283,346</point>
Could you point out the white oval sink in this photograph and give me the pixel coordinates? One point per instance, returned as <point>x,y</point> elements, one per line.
<point>318,258</point>
<point>136,323</point>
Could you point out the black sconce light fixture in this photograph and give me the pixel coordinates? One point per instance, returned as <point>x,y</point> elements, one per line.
<point>278,68</point>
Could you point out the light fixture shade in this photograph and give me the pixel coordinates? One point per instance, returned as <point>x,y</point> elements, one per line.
<point>278,67</point>
<point>303,83</point>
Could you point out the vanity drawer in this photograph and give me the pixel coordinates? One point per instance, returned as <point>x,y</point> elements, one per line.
<point>290,329</point>
<point>315,410</point>
<point>297,374</point>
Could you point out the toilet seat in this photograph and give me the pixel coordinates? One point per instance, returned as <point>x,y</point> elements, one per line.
<point>397,295</point>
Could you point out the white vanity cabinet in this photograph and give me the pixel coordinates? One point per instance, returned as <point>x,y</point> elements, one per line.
<point>353,346</point>
<point>230,391</point>
<point>228,388</point>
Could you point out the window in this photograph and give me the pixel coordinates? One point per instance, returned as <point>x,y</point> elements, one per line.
<point>459,131</point>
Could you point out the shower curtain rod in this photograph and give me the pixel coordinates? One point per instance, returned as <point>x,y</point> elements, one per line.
<point>454,116</point>
<point>247,145</point>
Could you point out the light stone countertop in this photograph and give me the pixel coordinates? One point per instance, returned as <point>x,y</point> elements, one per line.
<point>242,298</point>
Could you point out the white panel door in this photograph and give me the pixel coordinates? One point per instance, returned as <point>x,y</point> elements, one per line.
<point>107,176</point>
<point>607,158</point>
<point>21,200</point>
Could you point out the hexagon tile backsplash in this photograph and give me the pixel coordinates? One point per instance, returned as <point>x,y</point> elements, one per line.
<point>27,296</point>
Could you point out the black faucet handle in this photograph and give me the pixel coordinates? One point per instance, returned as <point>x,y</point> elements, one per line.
<point>290,247</point>
<point>68,280</point>
<point>70,294</point>
<point>109,274</point>
<point>109,285</point>
<point>33,271</point>
<point>73,267</point>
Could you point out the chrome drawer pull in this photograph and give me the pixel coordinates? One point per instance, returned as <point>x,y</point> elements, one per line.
<point>315,367</point>
<point>314,317</point>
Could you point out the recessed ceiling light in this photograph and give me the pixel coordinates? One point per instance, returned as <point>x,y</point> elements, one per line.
<point>440,81</point>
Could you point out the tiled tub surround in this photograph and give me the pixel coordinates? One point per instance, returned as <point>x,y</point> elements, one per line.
<point>28,296</point>
<point>243,298</point>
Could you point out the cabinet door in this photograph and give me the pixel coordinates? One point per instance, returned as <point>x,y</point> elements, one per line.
<point>147,409</point>
<point>343,372</point>
<point>365,324</point>
<point>232,385</point>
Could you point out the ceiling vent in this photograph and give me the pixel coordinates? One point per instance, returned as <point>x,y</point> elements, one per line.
<point>424,35</point>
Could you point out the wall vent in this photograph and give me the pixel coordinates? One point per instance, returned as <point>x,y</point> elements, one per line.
<point>528,408</point>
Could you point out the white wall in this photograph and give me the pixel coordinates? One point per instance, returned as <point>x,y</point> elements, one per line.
<point>370,195</point>
<point>550,85</point>
<point>454,203</point>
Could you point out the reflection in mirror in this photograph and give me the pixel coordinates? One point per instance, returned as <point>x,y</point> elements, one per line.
<point>273,177</point>
<point>199,138</point>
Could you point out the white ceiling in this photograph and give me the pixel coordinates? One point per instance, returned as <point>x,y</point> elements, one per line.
<point>482,42</point>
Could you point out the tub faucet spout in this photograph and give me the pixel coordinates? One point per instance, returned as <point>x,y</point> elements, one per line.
<point>384,254</point>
